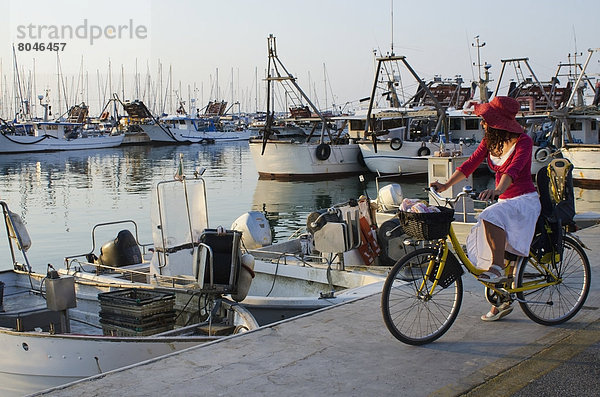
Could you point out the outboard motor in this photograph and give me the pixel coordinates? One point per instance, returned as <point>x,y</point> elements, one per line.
<point>256,231</point>
<point>390,196</point>
<point>121,251</point>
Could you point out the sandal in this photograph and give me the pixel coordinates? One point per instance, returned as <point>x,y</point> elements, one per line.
<point>503,310</point>
<point>494,275</point>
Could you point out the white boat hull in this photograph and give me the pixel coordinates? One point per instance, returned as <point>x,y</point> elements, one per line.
<point>586,162</point>
<point>405,160</point>
<point>158,134</point>
<point>29,143</point>
<point>289,160</point>
<point>34,361</point>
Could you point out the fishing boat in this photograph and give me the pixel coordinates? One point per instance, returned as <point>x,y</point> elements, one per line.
<point>398,139</point>
<point>72,134</point>
<point>580,131</point>
<point>320,154</point>
<point>56,328</point>
<point>191,128</point>
<point>584,156</point>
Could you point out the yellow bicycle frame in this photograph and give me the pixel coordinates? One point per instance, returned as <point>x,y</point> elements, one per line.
<point>476,271</point>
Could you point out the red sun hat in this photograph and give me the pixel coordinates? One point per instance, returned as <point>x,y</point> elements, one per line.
<point>500,113</point>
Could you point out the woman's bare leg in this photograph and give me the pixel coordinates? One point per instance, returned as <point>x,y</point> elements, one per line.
<point>496,238</point>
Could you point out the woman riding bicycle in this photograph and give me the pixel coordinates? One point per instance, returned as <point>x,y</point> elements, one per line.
<point>509,224</point>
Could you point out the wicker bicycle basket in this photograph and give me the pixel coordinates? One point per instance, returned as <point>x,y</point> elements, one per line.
<point>427,226</point>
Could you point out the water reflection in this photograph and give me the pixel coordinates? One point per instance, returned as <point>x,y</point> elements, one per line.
<point>62,195</point>
<point>287,204</point>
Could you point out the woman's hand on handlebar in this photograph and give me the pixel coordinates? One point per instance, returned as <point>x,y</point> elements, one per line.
<point>439,187</point>
<point>488,194</point>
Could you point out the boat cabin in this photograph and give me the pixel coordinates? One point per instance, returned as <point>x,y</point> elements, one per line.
<point>59,130</point>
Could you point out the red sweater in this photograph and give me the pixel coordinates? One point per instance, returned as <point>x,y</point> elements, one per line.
<point>517,166</point>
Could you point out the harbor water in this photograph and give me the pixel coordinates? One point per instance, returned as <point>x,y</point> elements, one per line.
<point>61,196</point>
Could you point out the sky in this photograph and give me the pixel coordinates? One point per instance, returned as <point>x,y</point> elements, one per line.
<point>327,44</point>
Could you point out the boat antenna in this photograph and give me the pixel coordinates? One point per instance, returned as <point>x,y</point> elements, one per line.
<point>392,17</point>
<point>482,82</point>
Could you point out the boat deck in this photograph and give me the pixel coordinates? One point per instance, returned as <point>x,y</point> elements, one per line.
<point>25,310</point>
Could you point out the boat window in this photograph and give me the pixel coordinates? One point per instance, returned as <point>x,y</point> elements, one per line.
<point>181,121</point>
<point>455,124</point>
<point>593,126</point>
<point>576,126</point>
<point>471,124</point>
<point>357,125</point>
<point>392,123</point>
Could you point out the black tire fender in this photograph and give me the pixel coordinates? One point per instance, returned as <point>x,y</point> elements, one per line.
<point>423,151</point>
<point>323,151</point>
<point>542,154</point>
<point>396,144</point>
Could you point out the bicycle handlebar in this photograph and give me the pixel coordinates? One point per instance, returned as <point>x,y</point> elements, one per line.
<point>467,191</point>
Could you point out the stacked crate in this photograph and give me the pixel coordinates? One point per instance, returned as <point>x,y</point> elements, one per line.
<point>136,312</point>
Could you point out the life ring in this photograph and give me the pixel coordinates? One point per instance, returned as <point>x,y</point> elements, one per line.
<point>396,144</point>
<point>323,151</point>
<point>542,154</point>
<point>423,151</point>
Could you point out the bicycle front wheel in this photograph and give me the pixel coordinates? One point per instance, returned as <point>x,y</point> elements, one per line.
<point>412,312</point>
<point>557,303</point>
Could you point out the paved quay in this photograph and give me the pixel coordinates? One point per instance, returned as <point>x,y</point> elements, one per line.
<point>346,350</point>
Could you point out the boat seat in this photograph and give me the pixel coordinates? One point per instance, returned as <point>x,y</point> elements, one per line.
<point>217,260</point>
<point>121,251</point>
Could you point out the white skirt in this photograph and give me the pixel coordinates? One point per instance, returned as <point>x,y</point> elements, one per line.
<point>516,216</point>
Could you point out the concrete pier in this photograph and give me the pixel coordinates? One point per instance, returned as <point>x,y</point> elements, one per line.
<point>347,350</point>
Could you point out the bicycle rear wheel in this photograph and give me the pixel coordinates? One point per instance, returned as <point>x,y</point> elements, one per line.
<point>415,315</point>
<point>555,304</point>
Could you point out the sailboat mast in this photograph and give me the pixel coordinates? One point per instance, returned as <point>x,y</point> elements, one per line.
<point>122,82</point>
<point>392,25</point>
<point>34,105</point>
<point>170,88</point>
<point>325,84</point>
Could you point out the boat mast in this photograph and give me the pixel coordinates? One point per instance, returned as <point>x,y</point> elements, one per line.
<point>581,75</point>
<point>325,84</point>
<point>392,25</point>
<point>441,112</point>
<point>537,81</point>
<point>288,77</point>
<point>482,83</point>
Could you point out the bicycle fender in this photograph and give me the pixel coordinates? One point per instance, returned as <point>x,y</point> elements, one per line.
<point>576,238</point>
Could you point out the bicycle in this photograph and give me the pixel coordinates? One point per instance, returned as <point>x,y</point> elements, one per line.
<point>423,292</point>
